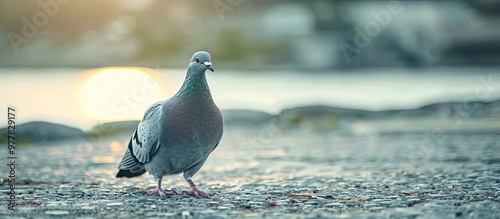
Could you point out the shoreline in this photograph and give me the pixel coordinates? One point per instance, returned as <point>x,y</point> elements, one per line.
<point>451,117</point>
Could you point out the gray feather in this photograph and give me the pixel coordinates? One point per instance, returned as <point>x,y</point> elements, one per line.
<point>145,141</point>
<point>143,144</point>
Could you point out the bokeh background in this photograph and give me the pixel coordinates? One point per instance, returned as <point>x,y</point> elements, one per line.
<point>82,63</point>
<point>247,34</point>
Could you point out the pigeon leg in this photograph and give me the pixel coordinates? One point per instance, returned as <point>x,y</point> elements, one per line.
<point>195,190</point>
<point>159,191</point>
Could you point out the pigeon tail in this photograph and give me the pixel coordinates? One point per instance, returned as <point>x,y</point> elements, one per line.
<point>130,166</point>
<point>129,174</point>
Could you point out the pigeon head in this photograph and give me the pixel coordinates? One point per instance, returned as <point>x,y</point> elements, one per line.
<point>201,61</point>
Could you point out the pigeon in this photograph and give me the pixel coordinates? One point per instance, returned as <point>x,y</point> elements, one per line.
<point>178,134</point>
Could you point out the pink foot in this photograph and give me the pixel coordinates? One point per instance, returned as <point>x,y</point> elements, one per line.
<point>160,192</point>
<point>195,190</point>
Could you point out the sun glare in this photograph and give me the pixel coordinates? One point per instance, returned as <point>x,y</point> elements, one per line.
<point>120,93</point>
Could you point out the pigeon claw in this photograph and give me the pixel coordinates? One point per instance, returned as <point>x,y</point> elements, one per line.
<point>196,191</point>
<point>160,192</point>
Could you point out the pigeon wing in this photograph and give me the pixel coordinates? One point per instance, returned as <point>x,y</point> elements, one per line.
<point>145,140</point>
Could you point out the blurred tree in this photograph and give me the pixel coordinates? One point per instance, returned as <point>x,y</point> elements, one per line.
<point>231,46</point>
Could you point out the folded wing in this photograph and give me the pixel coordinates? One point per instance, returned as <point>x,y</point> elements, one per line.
<point>143,144</point>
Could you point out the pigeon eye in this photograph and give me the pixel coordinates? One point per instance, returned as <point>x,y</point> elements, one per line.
<point>197,59</point>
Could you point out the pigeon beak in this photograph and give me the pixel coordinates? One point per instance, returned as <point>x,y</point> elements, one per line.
<point>209,66</point>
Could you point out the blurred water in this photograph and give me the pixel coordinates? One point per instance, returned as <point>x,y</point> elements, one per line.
<point>54,95</point>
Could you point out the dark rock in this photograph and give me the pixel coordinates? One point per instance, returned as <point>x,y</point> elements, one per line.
<point>44,132</point>
<point>112,128</point>
<point>246,117</point>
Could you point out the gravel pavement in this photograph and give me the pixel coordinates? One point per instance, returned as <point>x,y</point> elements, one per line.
<point>271,174</point>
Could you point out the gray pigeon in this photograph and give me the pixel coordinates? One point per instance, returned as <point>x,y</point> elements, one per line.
<point>177,135</point>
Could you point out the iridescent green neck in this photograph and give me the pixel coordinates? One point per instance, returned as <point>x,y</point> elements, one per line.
<point>194,84</point>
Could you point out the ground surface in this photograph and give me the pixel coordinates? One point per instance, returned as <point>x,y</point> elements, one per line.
<point>273,174</point>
